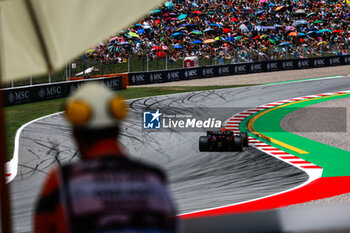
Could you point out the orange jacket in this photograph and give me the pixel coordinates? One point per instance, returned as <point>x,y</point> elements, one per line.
<point>49,215</point>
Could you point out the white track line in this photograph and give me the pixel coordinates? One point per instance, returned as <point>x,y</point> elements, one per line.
<point>12,165</point>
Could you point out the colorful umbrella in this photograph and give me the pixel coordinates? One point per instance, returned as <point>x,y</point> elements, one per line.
<point>285,44</point>
<point>154,11</point>
<point>177,34</point>
<point>90,51</point>
<point>226,30</point>
<point>182,16</point>
<point>268,28</point>
<point>290,28</point>
<point>159,48</point>
<point>311,32</point>
<point>311,14</point>
<point>322,43</point>
<point>262,1</point>
<point>300,11</point>
<point>197,12</point>
<point>196,32</point>
<point>219,38</point>
<point>146,27</point>
<point>338,31</point>
<point>300,22</point>
<point>169,4</point>
<point>208,30</point>
<point>160,54</point>
<point>272,41</point>
<point>318,21</point>
<point>133,34</point>
<point>116,38</point>
<point>209,41</point>
<point>177,46</point>
<point>280,8</point>
<point>293,34</point>
<point>324,30</point>
<point>196,42</point>
<point>275,38</point>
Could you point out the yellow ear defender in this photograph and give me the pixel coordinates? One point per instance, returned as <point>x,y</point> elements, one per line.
<point>95,106</point>
<point>78,112</point>
<point>118,108</point>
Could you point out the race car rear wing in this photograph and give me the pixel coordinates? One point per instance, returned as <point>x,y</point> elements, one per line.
<point>219,133</point>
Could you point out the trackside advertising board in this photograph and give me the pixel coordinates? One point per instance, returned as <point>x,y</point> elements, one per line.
<point>140,78</point>
<point>29,94</point>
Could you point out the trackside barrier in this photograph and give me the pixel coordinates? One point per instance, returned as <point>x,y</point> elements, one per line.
<point>139,78</point>
<point>42,92</point>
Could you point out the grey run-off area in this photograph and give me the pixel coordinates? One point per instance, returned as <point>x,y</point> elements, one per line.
<point>300,119</point>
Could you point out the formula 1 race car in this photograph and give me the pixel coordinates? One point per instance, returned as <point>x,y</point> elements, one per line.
<point>223,141</point>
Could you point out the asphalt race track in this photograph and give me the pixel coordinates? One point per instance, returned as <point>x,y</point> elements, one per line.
<point>198,180</point>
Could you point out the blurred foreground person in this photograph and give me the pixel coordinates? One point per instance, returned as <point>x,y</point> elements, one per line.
<point>105,191</point>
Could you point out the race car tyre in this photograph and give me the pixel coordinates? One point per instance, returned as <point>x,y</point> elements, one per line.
<point>203,143</point>
<point>245,139</point>
<point>238,143</point>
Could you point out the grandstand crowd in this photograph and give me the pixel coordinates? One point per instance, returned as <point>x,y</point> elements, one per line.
<point>233,29</point>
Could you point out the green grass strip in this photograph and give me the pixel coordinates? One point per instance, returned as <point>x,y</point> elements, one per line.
<point>304,80</point>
